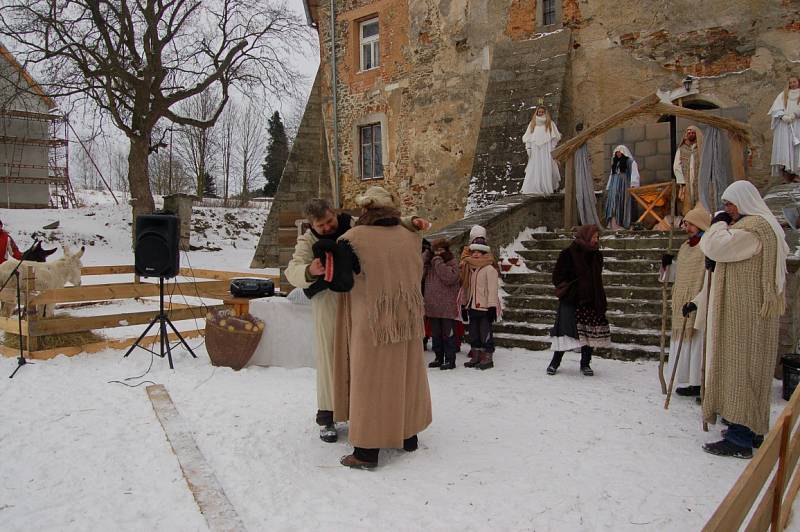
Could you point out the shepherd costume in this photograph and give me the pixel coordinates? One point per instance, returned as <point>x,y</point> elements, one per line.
<point>381,383</point>
<point>746,301</point>
<point>581,323</point>
<point>541,173</point>
<point>689,270</point>
<point>785,127</point>
<point>624,175</point>
<point>686,167</point>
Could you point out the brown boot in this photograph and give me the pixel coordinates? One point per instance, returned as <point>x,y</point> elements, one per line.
<point>474,358</point>
<point>486,361</point>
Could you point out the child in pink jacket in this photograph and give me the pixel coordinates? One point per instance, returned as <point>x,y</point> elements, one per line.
<point>481,302</point>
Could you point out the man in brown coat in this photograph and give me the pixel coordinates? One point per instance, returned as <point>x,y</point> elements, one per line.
<point>380,379</point>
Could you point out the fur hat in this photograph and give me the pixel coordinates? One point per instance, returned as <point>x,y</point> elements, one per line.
<point>480,247</point>
<point>476,232</point>
<point>376,197</point>
<point>699,217</point>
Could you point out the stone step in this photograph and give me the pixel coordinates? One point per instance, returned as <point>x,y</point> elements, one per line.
<point>619,335</point>
<point>622,254</point>
<point>631,320</point>
<point>617,351</point>
<point>625,292</point>
<point>561,233</point>
<point>619,266</point>
<point>628,306</point>
<point>609,279</point>
<point>605,243</point>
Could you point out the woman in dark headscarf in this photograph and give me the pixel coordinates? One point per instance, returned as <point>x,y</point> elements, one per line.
<point>624,175</point>
<point>581,323</point>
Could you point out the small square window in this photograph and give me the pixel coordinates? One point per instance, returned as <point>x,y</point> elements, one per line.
<point>371,161</point>
<point>370,45</point>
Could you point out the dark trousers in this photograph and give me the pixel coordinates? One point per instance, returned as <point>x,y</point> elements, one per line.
<point>480,331</point>
<point>324,418</point>
<point>740,435</point>
<point>586,357</point>
<point>443,337</point>
<point>371,455</point>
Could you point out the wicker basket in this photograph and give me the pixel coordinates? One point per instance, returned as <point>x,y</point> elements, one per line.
<point>232,349</point>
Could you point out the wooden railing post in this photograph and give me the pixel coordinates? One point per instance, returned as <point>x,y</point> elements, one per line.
<point>29,277</point>
<point>570,198</point>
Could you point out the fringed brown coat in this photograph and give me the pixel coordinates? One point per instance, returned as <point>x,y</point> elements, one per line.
<point>380,379</point>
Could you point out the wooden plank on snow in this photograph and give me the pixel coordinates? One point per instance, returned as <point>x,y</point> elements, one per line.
<point>208,493</point>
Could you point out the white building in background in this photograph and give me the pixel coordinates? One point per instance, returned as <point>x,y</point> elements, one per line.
<point>33,142</point>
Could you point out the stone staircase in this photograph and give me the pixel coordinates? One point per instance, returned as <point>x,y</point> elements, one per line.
<point>630,277</point>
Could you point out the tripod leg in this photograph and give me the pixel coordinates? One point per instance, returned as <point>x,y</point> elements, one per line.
<point>165,340</point>
<point>136,343</point>
<point>181,338</point>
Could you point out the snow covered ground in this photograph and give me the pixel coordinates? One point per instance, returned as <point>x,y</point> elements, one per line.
<point>509,448</point>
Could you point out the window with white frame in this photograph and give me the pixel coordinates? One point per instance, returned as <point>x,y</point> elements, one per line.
<point>370,44</point>
<point>548,12</point>
<point>371,164</point>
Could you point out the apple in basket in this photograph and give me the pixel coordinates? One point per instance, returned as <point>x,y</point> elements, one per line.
<point>513,260</point>
<point>505,266</point>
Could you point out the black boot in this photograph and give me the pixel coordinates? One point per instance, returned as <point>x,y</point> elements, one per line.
<point>586,359</point>
<point>437,362</point>
<point>449,353</point>
<point>553,367</point>
<point>410,444</point>
<point>474,358</point>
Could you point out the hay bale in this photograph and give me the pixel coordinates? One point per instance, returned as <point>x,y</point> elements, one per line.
<point>54,341</point>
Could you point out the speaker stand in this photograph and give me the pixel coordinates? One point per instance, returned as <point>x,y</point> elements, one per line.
<point>162,320</point>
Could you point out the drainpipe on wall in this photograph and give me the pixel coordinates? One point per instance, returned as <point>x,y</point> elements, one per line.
<point>336,194</point>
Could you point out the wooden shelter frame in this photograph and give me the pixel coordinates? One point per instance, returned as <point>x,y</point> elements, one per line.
<point>738,133</point>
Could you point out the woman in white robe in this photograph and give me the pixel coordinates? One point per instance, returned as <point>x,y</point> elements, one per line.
<point>541,137</point>
<point>785,112</point>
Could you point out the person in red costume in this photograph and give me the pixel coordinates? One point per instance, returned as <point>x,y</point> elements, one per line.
<point>8,248</point>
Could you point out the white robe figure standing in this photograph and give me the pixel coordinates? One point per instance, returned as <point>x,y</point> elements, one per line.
<point>541,137</point>
<point>785,113</point>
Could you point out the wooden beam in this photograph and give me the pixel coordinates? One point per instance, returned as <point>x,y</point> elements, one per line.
<point>123,291</point>
<point>108,270</point>
<point>738,167</point>
<point>734,508</point>
<point>89,323</point>
<point>200,273</point>
<point>10,325</point>
<point>570,197</point>
<point>123,343</point>
<point>206,489</point>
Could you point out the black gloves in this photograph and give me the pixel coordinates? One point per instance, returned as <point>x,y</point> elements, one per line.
<point>688,308</point>
<point>666,259</point>
<point>464,314</point>
<point>491,313</point>
<point>722,217</point>
<point>710,264</point>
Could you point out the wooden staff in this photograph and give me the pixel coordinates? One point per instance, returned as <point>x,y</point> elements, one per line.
<point>664,298</point>
<point>675,366</point>
<point>705,346</point>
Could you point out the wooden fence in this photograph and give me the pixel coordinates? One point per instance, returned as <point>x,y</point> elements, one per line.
<point>770,481</point>
<point>216,287</point>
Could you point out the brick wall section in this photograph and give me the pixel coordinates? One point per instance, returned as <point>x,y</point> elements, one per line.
<point>306,176</point>
<point>522,72</point>
<point>521,20</point>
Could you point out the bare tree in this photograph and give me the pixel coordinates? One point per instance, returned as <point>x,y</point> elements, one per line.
<point>227,136</point>
<point>137,60</point>
<point>197,146</point>
<point>118,163</point>
<point>250,147</point>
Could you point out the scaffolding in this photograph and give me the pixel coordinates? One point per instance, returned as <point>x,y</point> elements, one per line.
<point>51,171</point>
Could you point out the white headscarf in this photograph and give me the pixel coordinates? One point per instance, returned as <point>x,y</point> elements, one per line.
<point>747,199</point>
<point>624,150</point>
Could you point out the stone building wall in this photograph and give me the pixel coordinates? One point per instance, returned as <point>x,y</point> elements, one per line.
<point>431,89</point>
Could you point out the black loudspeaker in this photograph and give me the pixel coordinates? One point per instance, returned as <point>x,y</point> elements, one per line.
<point>157,251</point>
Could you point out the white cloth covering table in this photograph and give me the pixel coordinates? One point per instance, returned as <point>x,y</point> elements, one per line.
<point>288,339</point>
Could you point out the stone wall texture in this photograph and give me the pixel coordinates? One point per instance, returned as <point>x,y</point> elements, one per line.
<point>446,64</point>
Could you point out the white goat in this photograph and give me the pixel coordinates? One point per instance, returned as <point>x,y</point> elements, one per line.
<point>48,275</point>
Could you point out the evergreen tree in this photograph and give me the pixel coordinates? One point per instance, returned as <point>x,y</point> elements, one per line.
<point>209,186</point>
<point>277,154</point>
